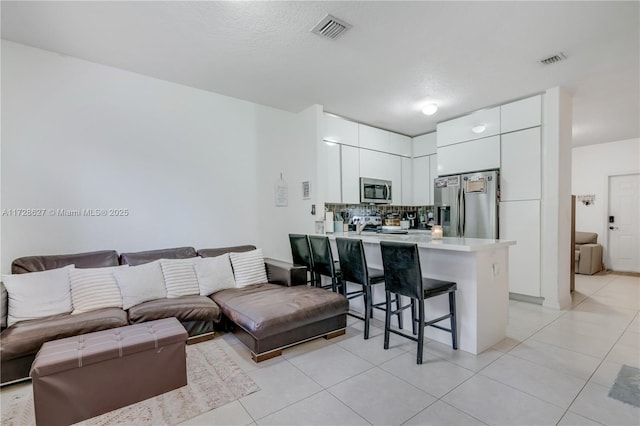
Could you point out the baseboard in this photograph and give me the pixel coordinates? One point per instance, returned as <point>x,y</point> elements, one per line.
<point>524,298</point>
<point>200,338</point>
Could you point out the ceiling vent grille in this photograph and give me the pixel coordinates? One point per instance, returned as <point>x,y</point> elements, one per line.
<point>330,27</point>
<point>553,59</point>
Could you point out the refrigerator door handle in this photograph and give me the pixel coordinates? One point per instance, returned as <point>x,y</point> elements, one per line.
<point>462,212</point>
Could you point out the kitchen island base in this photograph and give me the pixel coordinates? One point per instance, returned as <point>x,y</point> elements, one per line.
<point>480,269</point>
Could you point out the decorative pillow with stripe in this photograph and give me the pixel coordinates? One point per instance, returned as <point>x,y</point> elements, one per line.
<point>140,283</point>
<point>214,274</point>
<point>248,267</point>
<point>38,294</point>
<point>94,288</point>
<point>180,277</point>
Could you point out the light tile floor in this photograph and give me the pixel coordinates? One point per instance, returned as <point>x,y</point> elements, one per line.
<point>554,367</point>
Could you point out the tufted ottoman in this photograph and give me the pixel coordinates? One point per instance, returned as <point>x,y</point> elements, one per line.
<point>79,377</point>
<point>271,317</point>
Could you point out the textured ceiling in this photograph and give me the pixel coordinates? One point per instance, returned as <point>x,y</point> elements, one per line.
<point>397,57</point>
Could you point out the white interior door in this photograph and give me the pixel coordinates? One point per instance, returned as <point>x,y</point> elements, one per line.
<point>624,218</point>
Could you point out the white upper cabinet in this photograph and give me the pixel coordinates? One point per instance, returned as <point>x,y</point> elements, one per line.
<point>399,144</point>
<point>340,131</point>
<point>433,174</point>
<point>350,174</point>
<point>479,124</point>
<point>384,141</point>
<point>425,144</point>
<point>421,178</point>
<point>521,114</point>
<point>407,179</point>
<point>333,192</point>
<point>520,171</point>
<point>481,154</point>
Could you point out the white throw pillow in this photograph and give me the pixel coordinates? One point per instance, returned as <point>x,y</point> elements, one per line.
<point>248,267</point>
<point>214,274</point>
<point>180,276</point>
<point>38,294</point>
<point>140,283</point>
<point>94,288</point>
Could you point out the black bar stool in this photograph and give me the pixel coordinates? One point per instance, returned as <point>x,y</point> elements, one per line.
<point>403,275</point>
<point>353,267</point>
<point>323,263</point>
<point>301,253</point>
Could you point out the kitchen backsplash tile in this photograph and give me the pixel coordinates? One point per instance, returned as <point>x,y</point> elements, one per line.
<point>382,209</point>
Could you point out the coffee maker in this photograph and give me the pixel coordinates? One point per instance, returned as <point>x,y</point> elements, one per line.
<point>412,217</point>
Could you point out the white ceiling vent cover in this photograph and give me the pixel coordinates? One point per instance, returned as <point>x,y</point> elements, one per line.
<point>330,27</point>
<point>553,59</point>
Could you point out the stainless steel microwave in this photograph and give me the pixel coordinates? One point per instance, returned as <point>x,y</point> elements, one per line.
<point>375,191</point>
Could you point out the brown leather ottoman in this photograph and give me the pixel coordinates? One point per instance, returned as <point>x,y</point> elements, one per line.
<point>87,375</point>
<point>271,317</point>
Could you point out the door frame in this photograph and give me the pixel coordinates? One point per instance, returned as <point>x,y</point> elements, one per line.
<point>605,241</point>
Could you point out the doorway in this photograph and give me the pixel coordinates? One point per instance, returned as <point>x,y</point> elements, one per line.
<point>624,223</point>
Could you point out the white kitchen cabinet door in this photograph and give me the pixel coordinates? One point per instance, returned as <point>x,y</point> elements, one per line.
<point>399,144</point>
<point>520,221</point>
<point>350,175</point>
<point>425,144</point>
<point>481,154</point>
<point>521,114</point>
<point>339,130</point>
<point>462,129</point>
<point>333,191</point>
<point>372,138</point>
<point>520,165</point>
<point>407,178</point>
<point>379,165</point>
<point>433,174</point>
<point>421,186</point>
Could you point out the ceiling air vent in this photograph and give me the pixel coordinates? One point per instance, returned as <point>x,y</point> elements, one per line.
<point>553,59</point>
<point>330,27</point>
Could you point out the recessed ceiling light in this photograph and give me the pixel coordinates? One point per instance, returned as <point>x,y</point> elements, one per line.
<point>430,109</point>
<point>478,129</point>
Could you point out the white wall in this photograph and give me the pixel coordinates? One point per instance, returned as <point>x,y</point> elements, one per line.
<point>191,167</point>
<point>591,168</point>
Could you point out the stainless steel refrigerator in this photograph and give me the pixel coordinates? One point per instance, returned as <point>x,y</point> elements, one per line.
<point>467,205</point>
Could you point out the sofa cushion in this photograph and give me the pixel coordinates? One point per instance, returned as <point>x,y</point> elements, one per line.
<point>94,259</point>
<point>248,268</point>
<point>214,274</point>
<point>180,277</point>
<point>268,309</point>
<point>185,308</point>
<point>26,337</point>
<point>140,257</point>
<point>140,283</point>
<point>38,294</point>
<point>94,288</point>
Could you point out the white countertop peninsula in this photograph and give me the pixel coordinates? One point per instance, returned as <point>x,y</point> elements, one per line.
<point>478,266</point>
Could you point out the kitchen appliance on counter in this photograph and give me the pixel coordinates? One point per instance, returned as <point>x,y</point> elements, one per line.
<point>375,191</point>
<point>467,205</point>
<point>370,223</point>
<point>412,217</point>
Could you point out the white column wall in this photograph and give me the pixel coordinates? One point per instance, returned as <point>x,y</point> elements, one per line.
<point>556,199</point>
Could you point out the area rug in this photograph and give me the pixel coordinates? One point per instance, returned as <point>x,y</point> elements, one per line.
<point>627,386</point>
<point>213,380</point>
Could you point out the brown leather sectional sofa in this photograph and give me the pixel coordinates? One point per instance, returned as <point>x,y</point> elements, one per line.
<point>267,317</point>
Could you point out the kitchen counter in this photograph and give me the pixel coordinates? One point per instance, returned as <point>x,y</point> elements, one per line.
<point>423,240</point>
<point>478,266</point>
